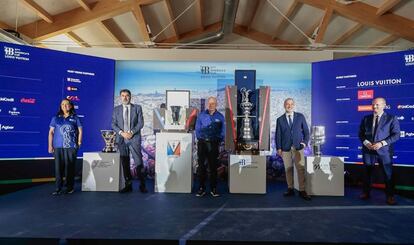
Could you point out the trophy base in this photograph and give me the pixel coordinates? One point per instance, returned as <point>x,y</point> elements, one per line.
<point>250,147</point>
<point>109,150</point>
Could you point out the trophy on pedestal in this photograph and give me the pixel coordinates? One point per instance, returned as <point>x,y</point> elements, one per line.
<point>246,138</point>
<point>317,139</point>
<point>109,138</point>
<point>247,115</point>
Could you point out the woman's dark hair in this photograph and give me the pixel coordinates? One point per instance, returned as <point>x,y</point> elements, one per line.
<point>125,91</point>
<point>71,111</point>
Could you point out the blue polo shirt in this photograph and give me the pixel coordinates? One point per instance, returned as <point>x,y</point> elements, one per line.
<point>210,127</point>
<point>66,131</point>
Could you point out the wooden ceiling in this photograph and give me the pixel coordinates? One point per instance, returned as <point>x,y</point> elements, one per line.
<point>333,24</point>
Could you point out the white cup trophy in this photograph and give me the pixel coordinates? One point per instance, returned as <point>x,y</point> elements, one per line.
<point>317,139</point>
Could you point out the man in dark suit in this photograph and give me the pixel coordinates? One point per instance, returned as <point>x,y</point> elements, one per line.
<point>127,121</point>
<point>292,136</point>
<point>378,132</point>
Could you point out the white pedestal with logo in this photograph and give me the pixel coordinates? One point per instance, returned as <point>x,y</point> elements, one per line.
<point>247,174</point>
<point>102,172</point>
<point>324,176</point>
<point>173,162</point>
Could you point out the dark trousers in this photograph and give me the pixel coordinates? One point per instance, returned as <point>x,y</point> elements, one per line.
<point>65,162</point>
<point>207,150</point>
<point>125,151</point>
<point>385,163</point>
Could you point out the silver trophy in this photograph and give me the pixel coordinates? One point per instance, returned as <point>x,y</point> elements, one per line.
<point>109,138</point>
<point>317,139</point>
<point>175,114</point>
<point>246,106</point>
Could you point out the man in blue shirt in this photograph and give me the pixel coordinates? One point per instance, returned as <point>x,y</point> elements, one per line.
<point>210,132</point>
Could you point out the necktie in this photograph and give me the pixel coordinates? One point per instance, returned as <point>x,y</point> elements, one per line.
<point>126,120</point>
<point>290,120</point>
<point>375,127</point>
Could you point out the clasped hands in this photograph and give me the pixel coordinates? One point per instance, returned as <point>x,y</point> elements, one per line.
<point>374,146</point>
<point>126,135</point>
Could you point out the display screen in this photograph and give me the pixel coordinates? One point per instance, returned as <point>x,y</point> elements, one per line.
<point>33,81</point>
<point>343,91</point>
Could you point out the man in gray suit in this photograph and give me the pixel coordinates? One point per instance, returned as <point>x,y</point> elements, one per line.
<point>127,121</point>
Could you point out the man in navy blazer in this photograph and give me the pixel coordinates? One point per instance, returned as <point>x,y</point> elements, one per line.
<point>292,136</point>
<point>378,132</point>
<point>127,122</point>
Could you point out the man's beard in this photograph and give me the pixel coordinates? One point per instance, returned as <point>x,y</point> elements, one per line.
<point>125,102</point>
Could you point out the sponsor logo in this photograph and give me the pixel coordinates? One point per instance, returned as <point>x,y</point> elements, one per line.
<point>211,70</point>
<point>6,127</point>
<point>402,107</point>
<point>343,99</point>
<point>70,88</point>
<point>404,134</point>
<point>28,100</point>
<point>342,122</point>
<point>365,108</point>
<point>359,156</point>
<point>409,59</point>
<point>101,164</point>
<point>6,99</point>
<point>342,147</point>
<point>76,107</point>
<point>73,98</point>
<point>14,112</point>
<point>247,163</point>
<point>73,80</point>
<point>365,94</point>
<point>343,136</point>
<point>401,118</point>
<point>174,148</point>
<point>15,54</point>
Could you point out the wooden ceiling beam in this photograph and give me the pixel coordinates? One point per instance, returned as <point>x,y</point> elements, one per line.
<point>194,33</point>
<point>261,37</point>
<point>326,19</point>
<point>386,6</point>
<point>348,34</point>
<point>106,28</point>
<point>253,16</point>
<point>77,39</point>
<point>141,24</point>
<point>309,32</point>
<point>366,14</point>
<point>200,13</point>
<point>290,14</point>
<point>75,18</point>
<point>385,41</point>
<point>84,5</point>
<point>171,15</point>
<point>117,33</point>
<point>41,12</point>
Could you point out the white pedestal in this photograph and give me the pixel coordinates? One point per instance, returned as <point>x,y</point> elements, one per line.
<point>102,172</point>
<point>173,162</point>
<point>324,176</point>
<point>247,174</point>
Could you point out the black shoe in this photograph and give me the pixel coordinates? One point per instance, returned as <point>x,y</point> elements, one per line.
<point>364,196</point>
<point>304,195</point>
<point>214,192</point>
<point>57,192</point>
<point>69,191</point>
<point>126,189</point>
<point>142,189</point>
<point>201,192</point>
<point>289,192</point>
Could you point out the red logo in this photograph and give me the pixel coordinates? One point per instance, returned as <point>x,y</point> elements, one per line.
<point>365,94</point>
<point>72,98</point>
<point>365,108</point>
<point>28,100</point>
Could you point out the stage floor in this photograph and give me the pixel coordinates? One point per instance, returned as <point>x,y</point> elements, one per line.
<point>93,217</point>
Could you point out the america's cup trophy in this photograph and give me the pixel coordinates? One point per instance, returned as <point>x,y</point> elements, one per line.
<point>317,139</point>
<point>246,130</point>
<point>175,114</point>
<point>109,138</point>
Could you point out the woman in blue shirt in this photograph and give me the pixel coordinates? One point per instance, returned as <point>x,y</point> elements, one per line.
<point>65,138</point>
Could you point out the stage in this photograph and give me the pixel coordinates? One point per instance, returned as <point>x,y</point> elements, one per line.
<point>33,215</point>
